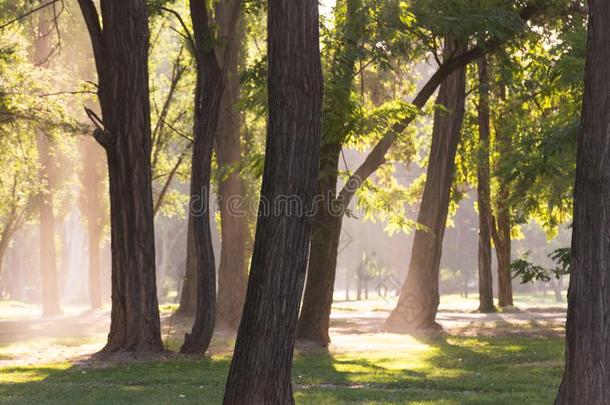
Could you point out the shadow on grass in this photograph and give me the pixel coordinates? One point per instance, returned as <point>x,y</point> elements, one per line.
<point>452,371</point>
<point>458,370</point>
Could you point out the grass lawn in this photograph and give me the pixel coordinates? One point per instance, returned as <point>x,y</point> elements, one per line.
<point>458,370</point>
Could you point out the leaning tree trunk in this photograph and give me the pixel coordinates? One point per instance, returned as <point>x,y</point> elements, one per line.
<point>314,319</point>
<point>260,372</point>
<point>121,55</point>
<point>586,378</point>
<point>486,299</point>
<point>419,297</point>
<point>232,275</point>
<point>48,257</point>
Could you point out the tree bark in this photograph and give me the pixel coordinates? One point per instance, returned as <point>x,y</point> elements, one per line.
<point>586,378</point>
<point>419,297</point>
<point>232,274</point>
<point>486,299</point>
<point>260,372</point>
<point>121,55</point>
<point>317,301</point>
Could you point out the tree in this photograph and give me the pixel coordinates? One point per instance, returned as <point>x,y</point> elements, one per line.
<point>120,48</point>
<point>94,209</point>
<point>419,297</point>
<point>337,111</point>
<point>331,231</point>
<point>48,257</point>
<point>209,89</point>
<point>486,301</point>
<point>260,369</point>
<point>586,376</point>
<point>232,273</point>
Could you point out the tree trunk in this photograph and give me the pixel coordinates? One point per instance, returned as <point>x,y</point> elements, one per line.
<point>502,241</point>
<point>188,295</point>
<point>121,55</point>
<point>501,227</point>
<point>419,298</point>
<point>211,77</point>
<point>586,378</point>
<point>260,372</point>
<point>48,257</point>
<point>486,299</point>
<point>207,102</point>
<point>315,313</point>
<point>326,234</point>
<point>232,275</point>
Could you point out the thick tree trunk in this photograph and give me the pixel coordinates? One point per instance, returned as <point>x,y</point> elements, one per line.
<point>121,54</point>
<point>315,312</point>
<point>261,368</point>
<point>232,275</point>
<point>486,299</point>
<point>586,377</point>
<point>419,297</point>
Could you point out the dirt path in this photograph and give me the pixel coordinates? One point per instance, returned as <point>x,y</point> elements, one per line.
<point>26,338</point>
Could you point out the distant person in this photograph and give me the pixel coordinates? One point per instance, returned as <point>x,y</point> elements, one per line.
<point>367,270</point>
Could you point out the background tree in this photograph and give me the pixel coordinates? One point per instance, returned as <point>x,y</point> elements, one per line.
<point>419,298</point>
<point>486,301</point>
<point>42,54</point>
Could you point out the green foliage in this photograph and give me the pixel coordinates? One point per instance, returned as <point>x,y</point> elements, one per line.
<point>468,19</point>
<point>528,272</point>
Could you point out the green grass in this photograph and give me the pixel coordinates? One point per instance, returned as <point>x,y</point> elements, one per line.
<point>460,370</point>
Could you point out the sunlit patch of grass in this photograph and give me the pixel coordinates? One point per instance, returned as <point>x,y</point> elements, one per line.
<point>28,374</point>
<point>459,370</point>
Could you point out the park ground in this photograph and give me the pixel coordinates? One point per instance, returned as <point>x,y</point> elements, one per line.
<point>509,357</point>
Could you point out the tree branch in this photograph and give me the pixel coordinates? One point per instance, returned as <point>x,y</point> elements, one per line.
<point>376,157</point>
<point>187,32</point>
<point>28,13</point>
<point>168,182</point>
<point>92,21</point>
